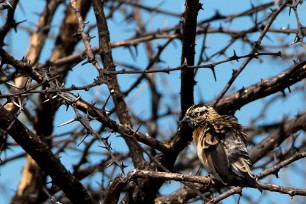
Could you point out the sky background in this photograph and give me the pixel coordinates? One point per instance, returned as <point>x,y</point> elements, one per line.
<point>205,90</point>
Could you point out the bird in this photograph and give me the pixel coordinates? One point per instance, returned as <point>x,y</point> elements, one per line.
<point>221,145</point>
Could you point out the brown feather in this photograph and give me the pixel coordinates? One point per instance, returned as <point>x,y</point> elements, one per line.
<point>221,145</point>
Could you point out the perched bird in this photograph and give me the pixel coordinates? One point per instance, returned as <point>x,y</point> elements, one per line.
<point>221,145</point>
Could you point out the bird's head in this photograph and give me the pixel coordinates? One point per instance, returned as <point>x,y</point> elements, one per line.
<point>198,114</point>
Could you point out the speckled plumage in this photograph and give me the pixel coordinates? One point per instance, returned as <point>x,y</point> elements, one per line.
<point>221,145</point>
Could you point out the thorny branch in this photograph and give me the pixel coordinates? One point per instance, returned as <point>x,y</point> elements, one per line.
<point>118,122</point>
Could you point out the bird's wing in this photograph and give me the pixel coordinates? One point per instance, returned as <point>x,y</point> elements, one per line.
<point>239,158</point>
<point>237,153</point>
<point>207,139</point>
<point>214,152</point>
<point>241,165</point>
<point>218,159</point>
<point>242,168</point>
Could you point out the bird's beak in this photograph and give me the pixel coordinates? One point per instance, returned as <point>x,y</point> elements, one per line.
<point>186,119</point>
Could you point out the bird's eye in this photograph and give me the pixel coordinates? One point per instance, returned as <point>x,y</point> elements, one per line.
<point>204,111</point>
<point>198,113</point>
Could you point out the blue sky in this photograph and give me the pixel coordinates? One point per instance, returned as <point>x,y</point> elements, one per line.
<point>206,88</point>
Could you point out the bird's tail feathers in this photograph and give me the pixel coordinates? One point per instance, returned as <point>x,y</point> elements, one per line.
<point>241,167</point>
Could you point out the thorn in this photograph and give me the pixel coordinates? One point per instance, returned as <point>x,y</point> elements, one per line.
<point>109,146</point>
<point>10,126</point>
<point>83,139</point>
<point>45,101</point>
<point>272,10</point>
<point>234,71</point>
<point>235,57</point>
<point>8,5</point>
<point>200,6</point>
<point>12,85</point>
<point>104,105</point>
<point>90,37</point>
<point>217,16</point>
<point>106,138</point>
<point>212,68</point>
<point>292,194</point>
<point>220,28</point>
<point>185,62</point>
<point>15,25</point>
<point>296,62</point>
<point>167,72</point>
<point>133,55</point>
<point>122,167</point>
<point>110,163</point>
<point>136,49</point>
<point>283,92</point>
<point>77,98</point>
<point>19,106</point>
<point>257,45</point>
<point>252,5</point>
<point>267,36</point>
<point>296,39</point>
<point>276,174</point>
<point>68,122</point>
